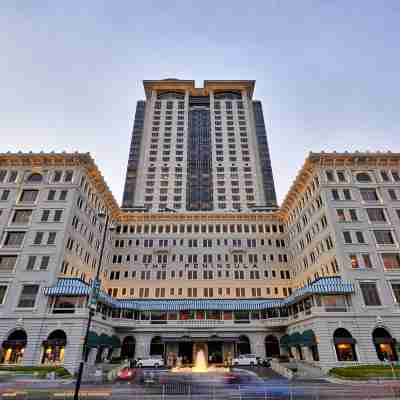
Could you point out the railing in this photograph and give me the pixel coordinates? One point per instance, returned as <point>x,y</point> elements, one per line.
<point>68,310</point>
<point>319,310</point>
<point>201,323</point>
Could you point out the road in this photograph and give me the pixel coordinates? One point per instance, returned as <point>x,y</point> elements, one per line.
<point>269,386</point>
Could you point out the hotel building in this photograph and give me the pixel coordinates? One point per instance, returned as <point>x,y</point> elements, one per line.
<point>190,265</point>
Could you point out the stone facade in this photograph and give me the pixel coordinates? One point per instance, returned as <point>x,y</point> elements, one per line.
<point>241,257</point>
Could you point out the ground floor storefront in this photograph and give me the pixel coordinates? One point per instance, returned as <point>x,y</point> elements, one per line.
<point>328,342</point>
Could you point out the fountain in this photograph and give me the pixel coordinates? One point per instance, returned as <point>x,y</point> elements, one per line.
<point>200,364</point>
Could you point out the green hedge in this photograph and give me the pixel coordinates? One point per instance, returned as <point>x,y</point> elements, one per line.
<point>365,372</point>
<point>41,371</point>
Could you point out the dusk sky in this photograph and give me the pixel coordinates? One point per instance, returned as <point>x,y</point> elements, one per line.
<point>327,72</point>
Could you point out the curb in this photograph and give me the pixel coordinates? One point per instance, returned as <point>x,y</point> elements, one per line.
<point>334,379</point>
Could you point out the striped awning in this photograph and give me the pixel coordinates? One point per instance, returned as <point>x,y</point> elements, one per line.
<point>77,287</point>
<point>199,304</point>
<point>325,285</point>
<point>68,287</point>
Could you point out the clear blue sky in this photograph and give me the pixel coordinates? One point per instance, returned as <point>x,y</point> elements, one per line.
<point>326,71</point>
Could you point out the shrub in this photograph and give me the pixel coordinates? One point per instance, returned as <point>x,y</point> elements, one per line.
<point>365,371</point>
<point>39,371</point>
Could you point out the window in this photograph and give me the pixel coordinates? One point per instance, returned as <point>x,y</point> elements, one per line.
<point>3,292</point>
<point>347,237</point>
<point>7,263</point>
<point>392,194</point>
<point>384,237</point>
<point>341,176</point>
<point>28,296</point>
<point>34,178</point>
<point>31,263</point>
<point>4,195</point>
<point>38,238</point>
<point>385,176</point>
<point>363,177</point>
<point>396,176</point>
<point>22,217</point>
<point>29,196</point>
<point>51,239</point>
<point>370,293</point>
<point>68,176</point>
<point>45,216</point>
<point>341,215</point>
<point>366,260</point>
<point>12,177</point>
<point>63,195</point>
<point>44,263</point>
<point>51,195</point>
<point>14,239</point>
<point>354,261</point>
<point>57,176</point>
<point>391,260</point>
<point>396,291</point>
<point>353,215</point>
<point>329,176</point>
<point>369,195</point>
<point>347,194</point>
<point>360,237</point>
<point>376,214</point>
<point>57,215</point>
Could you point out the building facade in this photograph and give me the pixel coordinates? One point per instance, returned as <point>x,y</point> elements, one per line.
<point>317,279</point>
<point>199,149</point>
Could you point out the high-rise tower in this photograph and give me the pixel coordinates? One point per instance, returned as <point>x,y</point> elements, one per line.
<point>199,149</point>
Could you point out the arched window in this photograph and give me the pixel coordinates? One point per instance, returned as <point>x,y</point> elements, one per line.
<point>170,96</point>
<point>384,345</point>
<point>363,177</point>
<point>128,347</point>
<point>232,95</point>
<point>272,346</point>
<point>344,345</point>
<point>14,347</point>
<point>156,346</point>
<point>34,178</point>
<point>54,347</point>
<point>243,345</point>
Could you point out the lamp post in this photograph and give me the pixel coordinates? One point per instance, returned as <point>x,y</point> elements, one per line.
<point>92,307</point>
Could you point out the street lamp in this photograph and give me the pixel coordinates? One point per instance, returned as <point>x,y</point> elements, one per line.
<point>92,304</point>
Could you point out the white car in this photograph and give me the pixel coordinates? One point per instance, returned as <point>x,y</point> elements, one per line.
<point>154,361</point>
<point>245,359</point>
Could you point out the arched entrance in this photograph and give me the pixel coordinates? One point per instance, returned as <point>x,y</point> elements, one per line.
<point>384,345</point>
<point>157,346</point>
<point>243,345</point>
<point>345,345</point>
<point>14,347</point>
<point>128,347</point>
<point>272,346</point>
<point>54,347</point>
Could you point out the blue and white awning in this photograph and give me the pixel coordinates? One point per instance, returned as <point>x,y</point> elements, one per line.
<point>76,287</point>
<point>68,287</point>
<point>199,304</point>
<point>325,285</point>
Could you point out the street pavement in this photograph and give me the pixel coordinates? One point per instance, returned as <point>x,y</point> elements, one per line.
<point>266,386</point>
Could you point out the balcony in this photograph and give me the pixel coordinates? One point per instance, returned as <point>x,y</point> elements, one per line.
<point>319,311</point>
<point>200,324</point>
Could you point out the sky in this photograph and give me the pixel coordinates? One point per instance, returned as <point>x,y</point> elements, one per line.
<point>327,72</point>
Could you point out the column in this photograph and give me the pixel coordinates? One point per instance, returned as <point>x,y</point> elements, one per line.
<point>142,345</point>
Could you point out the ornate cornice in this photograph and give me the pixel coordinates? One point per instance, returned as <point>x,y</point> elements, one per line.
<point>334,160</point>
<point>303,179</point>
<point>179,85</point>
